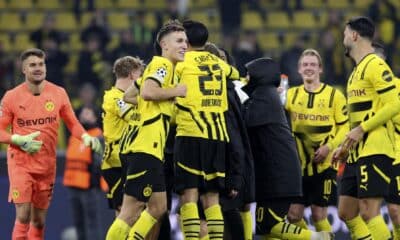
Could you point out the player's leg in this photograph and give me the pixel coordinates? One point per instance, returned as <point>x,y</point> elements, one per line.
<point>247,221</point>
<point>295,215</point>
<point>190,219</point>
<point>38,219</point>
<point>393,201</point>
<point>270,223</point>
<point>348,208</point>
<point>22,221</point>
<point>394,213</point>
<point>153,189</point>
<point>213,213</point>
<point>373,178</point>
<point>233,224</point>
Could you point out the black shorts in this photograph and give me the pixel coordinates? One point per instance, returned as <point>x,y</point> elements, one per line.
<point>114,179</point>
<point>368,177</point>
<point>144,175</point>
<point>319,189</point>
<point>199,163</point>
<point>394,188</point>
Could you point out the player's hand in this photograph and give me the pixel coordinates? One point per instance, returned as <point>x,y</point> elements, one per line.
<point>233,193</point>
<point>27,142</point>
<point>341,153</point>
<point>354,136</point>
<point>92,142</point>
<point>321,153</point>
<point>181,90</point>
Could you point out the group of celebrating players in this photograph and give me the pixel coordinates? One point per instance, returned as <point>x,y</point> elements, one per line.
<point>188,123</point>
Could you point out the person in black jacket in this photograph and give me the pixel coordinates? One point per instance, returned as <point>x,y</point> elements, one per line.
<point>276,164</point>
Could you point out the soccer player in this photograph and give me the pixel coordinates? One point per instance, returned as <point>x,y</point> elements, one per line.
<point>393,199</point>
<point>145,181</point>
<point>277,168</point>
<point>34,109</point>
<point>116,115</point>
<point>319,122</point>
<point>239,161</point>
<point>199,153</point>
<point>373,100</point>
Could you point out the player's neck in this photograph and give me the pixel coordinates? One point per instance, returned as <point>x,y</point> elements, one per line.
<point>312,86</point>
<point>35,89</point>
<point>361,50</point>
<point>122,83</point>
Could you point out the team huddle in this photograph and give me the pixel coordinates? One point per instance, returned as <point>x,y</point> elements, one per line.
<point>188,123</point>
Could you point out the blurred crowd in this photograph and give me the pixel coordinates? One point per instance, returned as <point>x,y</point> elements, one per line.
<point>94,59</point>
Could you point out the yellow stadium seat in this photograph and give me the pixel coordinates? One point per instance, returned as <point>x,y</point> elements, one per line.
<point>72,65</point>
<point>304,19</point>
<point>322,19</point>
<point>268,40</point>
<point>203,3</point>
<point>127,4</point>
<point>10,21</point>
<point>104,4</point>
<point>75,43</point>
<point>114,42</point>
<point>48,4</point>
<point>313,4</point>
<point>20,4</point>
<point>362,4</point>
<point>338,4</point>
<point>289,39</point>
<point>118,20</point>
<point>34,20</point>
<point>86,17</point>
<point>3,4</point>
<point>155,4</point>
<point>150,21</point>
<point>66,21</point>
<point>278,20</point>
<point>252,20</point>
<point>22,42</point>
<point>200,16</point>
<point>350,14</point>
<point>5,42</point>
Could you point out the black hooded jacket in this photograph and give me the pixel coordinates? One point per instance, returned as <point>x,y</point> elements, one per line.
<point>276,163</point>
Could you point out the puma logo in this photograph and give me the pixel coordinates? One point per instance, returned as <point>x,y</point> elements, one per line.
<point>364,186</point>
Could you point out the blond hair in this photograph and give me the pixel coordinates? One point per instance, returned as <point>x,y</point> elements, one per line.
<point>311,52</point>
<point>125,65</point>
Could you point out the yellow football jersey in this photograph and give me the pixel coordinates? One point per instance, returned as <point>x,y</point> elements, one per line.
<point>155,116</point>
<point>373,100</point>
<point>317,118</point>
<point>116,115</point>
<point>201,112</point>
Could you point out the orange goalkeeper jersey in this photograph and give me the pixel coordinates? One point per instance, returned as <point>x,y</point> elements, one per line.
<point>27,113</point>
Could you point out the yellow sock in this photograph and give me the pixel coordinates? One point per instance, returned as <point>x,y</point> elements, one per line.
<point>396,232</point>
<point>302,223</point>
<point>358,229</point>
<point>323,225</point>
<point>119,229</point>
<point>215,222</point>
<point>206,237</point>
<point>378,228</point>
<point>142,226</point>
<point>284,230</point>
<point>190,221</point>
<point>247,225</point>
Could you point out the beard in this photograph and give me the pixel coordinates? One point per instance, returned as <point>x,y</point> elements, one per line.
<point>347,52</point>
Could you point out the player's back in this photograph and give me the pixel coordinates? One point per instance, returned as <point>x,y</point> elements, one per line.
<point>201,112</point>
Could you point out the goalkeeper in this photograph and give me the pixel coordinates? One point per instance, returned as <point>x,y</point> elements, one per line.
<point>34,109</point>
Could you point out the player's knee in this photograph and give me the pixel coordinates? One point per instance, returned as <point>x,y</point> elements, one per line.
<point>294,216</point>
<point>344,215</point>
<point>394,211</point>
<point>157,210</point>
<point>37,222</point>
<point>318,215</point>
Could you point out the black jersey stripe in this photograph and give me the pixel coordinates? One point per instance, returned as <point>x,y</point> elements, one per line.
<point>386,89</point>
<point>216,124</point>
<point>209,130</point>
<point>152,120</point>
<point>186,109</point>
<point>310,103</point>
<point>224,130</point>
<point>360,106</point>
<point>332,97</point>
<point>296,92</point>
<point>318,129</point>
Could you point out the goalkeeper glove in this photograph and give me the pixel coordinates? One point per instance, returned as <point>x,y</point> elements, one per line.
<point>27,142</point>
<point>92,142</point>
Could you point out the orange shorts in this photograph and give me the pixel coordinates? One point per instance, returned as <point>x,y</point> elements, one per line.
<point>28,187</point>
